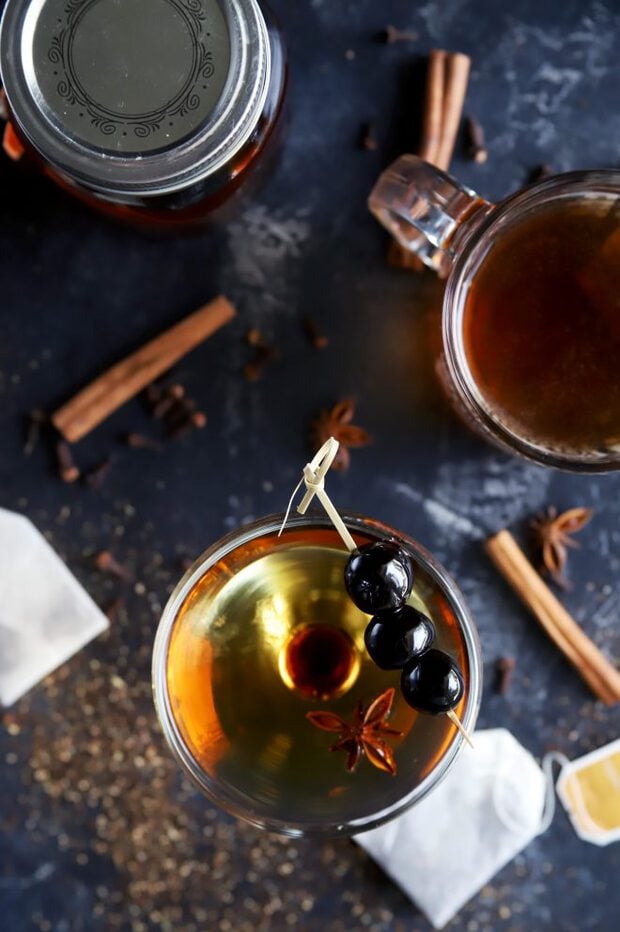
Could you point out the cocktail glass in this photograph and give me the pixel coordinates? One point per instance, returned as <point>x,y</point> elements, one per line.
<point>261,631</point>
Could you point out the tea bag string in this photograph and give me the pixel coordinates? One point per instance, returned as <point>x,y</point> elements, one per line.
<point>314,480</point>
<point>504,772</point>
<point>579,803</point>
<point>553,757</point>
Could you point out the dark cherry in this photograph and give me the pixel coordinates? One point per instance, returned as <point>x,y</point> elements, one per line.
<point>397,637</point>
<point>432,683</point>
<point>379,577</point>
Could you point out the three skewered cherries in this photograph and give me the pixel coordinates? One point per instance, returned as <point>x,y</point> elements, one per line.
<point>379,580</point>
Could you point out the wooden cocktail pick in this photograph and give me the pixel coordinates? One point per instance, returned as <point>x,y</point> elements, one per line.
<point>313,478</point>
<point>458,724</point>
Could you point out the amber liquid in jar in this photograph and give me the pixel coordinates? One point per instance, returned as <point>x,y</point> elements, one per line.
<point>269,634</point>
<point>541,326</point>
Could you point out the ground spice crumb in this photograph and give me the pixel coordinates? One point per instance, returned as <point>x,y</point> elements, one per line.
<point>255,367</point>
<point>96,477</point>
<point>107,563</point>
<point>539,172</point>
<point>139,441</point>
<point>36,420</point>
<point>504,668</point>
<point>367,138</point>
<point>316,339</point>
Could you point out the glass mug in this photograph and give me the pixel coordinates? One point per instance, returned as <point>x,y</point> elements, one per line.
<point>531,311</point>
<point>152,111</point>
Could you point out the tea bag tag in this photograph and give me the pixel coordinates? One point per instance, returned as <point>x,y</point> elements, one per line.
<point>589,790</point>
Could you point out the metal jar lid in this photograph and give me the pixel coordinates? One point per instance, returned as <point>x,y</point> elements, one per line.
<point>135,96</point>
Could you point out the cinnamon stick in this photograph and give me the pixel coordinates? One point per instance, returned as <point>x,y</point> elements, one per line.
<point>446,86</point>
<point>600,675</point>
<point>456,77</point>
<point>432,125</point>
<point>123,381</point>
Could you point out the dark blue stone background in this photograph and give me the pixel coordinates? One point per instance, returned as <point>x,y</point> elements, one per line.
<point>77,293</point>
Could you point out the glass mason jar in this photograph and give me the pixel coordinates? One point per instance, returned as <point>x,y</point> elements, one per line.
<point>153,111</point>
<point>458,233</point>
<point>230,705</point>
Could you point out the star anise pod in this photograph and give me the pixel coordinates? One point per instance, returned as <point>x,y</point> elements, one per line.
<point>337,423</point>
<point>364,735</point>
<point>553,535</point>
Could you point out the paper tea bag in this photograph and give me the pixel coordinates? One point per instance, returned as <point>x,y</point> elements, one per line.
<point>589,790</point>
<point>487,809</point>
<point>45,614</point>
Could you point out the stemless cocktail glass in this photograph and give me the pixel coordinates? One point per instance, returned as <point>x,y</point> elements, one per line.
<point>259,632</point>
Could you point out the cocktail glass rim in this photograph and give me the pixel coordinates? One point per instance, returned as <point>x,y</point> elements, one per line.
<point>227,797</point>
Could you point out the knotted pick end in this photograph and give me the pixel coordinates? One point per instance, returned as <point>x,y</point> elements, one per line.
<point>314,480</point>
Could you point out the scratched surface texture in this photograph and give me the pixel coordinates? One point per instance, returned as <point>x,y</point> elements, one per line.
<point>99,831</point>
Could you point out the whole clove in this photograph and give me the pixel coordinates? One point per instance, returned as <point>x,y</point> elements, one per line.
<point>107,563</point>
<point>152,394</point>
<point>254,337</point>
<point>199,420</point>
<point>170,396</point>
<point>141,442</point>
<point>180,411</point>
<point>177,411</point>
<point>254,368</point>
<point>316,339</point>
<point>184,417</point>
<point>504,668</point>
<point>263,353</point>
<point>367,138</point>
<point>191,420</point>
<point>97,476</point>
<point>391,34</point>
<point>114,609</point>
<point>67,470</point>
<point>36,420</point>
<point>540,172</point>
<point>474,137</point>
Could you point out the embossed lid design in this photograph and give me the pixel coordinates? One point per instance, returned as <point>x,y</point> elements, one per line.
<point>136,96</point>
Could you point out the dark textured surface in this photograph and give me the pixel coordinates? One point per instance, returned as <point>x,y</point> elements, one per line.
<point>99,830</point>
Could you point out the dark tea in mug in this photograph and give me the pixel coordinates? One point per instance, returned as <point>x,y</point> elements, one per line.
<point>541,325</point>
<point>531,309</point>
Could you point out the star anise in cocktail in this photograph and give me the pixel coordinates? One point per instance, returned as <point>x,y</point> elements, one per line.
<point>364,735</point>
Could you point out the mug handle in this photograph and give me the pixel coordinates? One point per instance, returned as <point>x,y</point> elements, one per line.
<point>423,208</point>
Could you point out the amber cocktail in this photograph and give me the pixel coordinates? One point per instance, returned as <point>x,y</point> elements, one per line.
<point>259,633</point>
